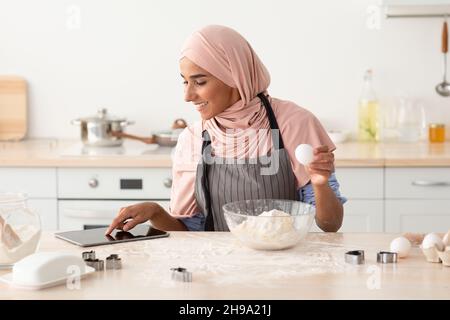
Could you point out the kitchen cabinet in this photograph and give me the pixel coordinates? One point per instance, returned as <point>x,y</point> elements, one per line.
<point>422,216</point>
<point>364,189</point>
<point>418,183</point>
<point>363,216</point>
<point>417,199</point>
<point>39,184</point>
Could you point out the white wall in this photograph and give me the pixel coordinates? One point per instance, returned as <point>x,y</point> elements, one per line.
<point>124,56</point>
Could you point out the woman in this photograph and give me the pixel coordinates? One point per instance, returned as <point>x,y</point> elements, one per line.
<point>244,147</point>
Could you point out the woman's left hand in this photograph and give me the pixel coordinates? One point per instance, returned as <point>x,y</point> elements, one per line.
<point>322,166</point>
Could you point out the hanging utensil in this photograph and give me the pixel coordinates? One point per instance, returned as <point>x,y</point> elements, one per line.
<point>443,88</point>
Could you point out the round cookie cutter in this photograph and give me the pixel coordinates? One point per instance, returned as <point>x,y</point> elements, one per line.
<point>387,257</point>
<point>354,257</point>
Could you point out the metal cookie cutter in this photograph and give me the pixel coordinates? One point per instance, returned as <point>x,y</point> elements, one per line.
<point>181,274</point>
<point>354,257</point>
<point>88,255</point>
<point>386,257</point>
<point>97,264</point>
<point>113,262</point>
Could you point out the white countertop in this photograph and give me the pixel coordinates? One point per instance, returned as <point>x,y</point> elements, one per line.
<point>71,153</point>
<point>223,269</point>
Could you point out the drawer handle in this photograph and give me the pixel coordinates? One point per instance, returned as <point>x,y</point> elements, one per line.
<point>167,182</point>
<point>424,183</point>
<point>93,183</point>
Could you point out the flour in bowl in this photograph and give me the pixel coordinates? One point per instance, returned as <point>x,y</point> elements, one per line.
<point>271,230</point>
<point>25,244</point>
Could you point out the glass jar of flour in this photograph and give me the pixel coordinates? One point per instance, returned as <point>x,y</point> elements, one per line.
<point>20,229</point>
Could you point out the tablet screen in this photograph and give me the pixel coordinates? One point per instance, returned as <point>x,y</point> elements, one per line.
<point>97,237</point>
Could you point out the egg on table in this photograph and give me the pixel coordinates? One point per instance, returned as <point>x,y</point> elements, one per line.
<point>401,246</point>
<point>433,240</point>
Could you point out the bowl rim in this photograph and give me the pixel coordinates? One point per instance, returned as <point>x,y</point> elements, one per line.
<point>308,205</point>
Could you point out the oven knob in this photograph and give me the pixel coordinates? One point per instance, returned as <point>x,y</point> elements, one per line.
<point>93,183</point>
<point>168,182</point>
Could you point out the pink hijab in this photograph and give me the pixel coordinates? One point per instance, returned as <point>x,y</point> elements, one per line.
<point>229,57</point>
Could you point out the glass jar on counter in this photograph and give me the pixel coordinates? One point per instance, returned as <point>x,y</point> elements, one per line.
<point>436,132</point>
<point>20,229</point>
<point>411,123</point>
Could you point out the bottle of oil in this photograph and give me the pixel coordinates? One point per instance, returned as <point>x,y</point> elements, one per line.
<point>368,113</point>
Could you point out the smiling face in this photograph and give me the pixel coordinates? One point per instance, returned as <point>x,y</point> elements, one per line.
<point>209,95</point>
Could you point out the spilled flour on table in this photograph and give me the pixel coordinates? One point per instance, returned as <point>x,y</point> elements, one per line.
<point>222,260</point>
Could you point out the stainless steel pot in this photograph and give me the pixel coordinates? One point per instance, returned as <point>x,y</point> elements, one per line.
<point>97,131</point>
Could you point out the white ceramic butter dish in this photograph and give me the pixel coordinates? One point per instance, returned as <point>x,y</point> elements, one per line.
<point>46,269</point>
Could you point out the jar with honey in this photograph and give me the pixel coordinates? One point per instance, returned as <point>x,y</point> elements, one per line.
<point>436,132</point>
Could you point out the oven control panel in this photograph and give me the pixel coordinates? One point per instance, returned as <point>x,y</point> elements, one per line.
<point>114,184</point>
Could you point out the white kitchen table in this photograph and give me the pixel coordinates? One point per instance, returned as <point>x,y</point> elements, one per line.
<point>224,269</point>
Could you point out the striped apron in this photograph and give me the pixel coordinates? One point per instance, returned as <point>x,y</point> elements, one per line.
<point>218,182</point>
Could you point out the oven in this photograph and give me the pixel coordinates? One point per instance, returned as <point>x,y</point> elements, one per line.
<point>92,197</point>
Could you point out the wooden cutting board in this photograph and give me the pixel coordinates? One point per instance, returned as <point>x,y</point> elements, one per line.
<point>13,108</point>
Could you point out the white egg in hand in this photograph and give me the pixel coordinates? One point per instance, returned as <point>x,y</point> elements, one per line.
<point>431,240</point>
<point>304,154</point>
<point>401,245</point>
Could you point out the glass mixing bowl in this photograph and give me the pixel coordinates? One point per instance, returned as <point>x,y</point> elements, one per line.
<point>20,229</point>
<point>269,224</point>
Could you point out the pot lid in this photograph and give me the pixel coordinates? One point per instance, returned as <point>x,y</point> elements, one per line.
<point>102,116</point>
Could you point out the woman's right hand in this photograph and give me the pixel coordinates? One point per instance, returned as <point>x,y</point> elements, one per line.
<point>129,217</point>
